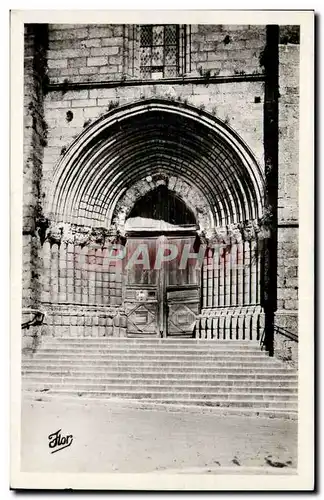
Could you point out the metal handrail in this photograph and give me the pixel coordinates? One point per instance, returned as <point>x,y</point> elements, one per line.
<point>287,333</point>
<point>36,320</point>
<point>262,339</point>
<point>282,331</point>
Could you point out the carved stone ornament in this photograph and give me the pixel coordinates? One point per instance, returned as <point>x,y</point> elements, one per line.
<point>235,233</point>
<point>54,234</point>
<point>225,235</point>
<point>81,235</point>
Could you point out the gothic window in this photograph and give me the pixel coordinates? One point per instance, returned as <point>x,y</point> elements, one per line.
<point>155,51</point>
<point>159,51</point>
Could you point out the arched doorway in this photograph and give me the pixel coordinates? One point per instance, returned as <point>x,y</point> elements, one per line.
<point>162,279</point>
<point>164,172</point>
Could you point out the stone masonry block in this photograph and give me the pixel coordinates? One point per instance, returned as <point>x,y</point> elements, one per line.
<point>70,53</point>
<point>97,61</point>
<point>64,72</point>
<point>110,51</point>
<point>83,103</point>
<point>287,293</point>
<point>70,34</point>
<point>110,93</point>
<point>110,69</point>
<point>58,104</point>
<point>77,63</point>
<point>100,32</point>
<point>115,60</point>
<point>291,304</point>
<point>93,42</point>
<point>234,27</point>
<point>92,70</point>
<point>92,112</point>
<point>56,45</point>
<point>112,42</point>
<point>104,51</point>
<point>117,30</point>
<point>57,63</point>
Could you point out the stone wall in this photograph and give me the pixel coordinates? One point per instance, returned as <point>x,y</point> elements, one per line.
<point>88,53</point>
<point>68,113</point>
<point>288,233</point>
<point>35,133</point>
<point>288,133</point>
<point>80,52</point>
<point>227,49</point>
<point>286,350</point>
<point>94,53</point>
<point>73,320</point>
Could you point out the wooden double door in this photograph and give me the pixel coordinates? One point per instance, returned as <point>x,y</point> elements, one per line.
<point>162,285</point>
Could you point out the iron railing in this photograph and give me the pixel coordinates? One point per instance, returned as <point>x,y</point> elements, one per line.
<point>286,333</point>
<point>281,331</point>
<point>36,320</point>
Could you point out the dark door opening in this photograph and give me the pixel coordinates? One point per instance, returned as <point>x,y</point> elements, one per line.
<point>162,204</point>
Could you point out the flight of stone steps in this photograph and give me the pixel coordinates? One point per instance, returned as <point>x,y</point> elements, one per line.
<point>232,375</point>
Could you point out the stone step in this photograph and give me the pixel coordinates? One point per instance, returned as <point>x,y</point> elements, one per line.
<point>66,367</point>
<point>149,382</point>
<point>207,360</point>
<point>139,365</point>
<point>95,342</point>
<point>152,340</point>
<point>102,385</point>
<point>289,414</point>
<point>232,375</point>
<point>158,356</point>
<point>148,375</point>
<point>150,351</point>
<point>210,400</point>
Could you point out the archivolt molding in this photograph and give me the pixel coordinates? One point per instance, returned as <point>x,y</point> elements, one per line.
<point>154,136</point>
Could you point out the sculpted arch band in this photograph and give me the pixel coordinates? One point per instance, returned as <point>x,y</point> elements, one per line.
<point>201,157</point>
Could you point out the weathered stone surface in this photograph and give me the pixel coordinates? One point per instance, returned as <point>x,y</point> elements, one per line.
<point>286,350</point>
<point>35,139</point>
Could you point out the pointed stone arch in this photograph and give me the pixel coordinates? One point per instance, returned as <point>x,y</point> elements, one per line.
<point>110,161</point>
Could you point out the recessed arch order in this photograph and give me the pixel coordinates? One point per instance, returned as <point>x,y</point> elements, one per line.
<point>116,159</point>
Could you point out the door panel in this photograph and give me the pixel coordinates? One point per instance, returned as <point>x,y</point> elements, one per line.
<point>162,301</point>
<point>145,251</point>
<point>182,288</point>
<point>141,319</point>
<point>182,271</point>
<point>182,309</point>
<point>141,294</point>
<point>141,307</point>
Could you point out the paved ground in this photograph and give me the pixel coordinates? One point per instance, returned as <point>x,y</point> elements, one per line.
<point>113,438</point>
